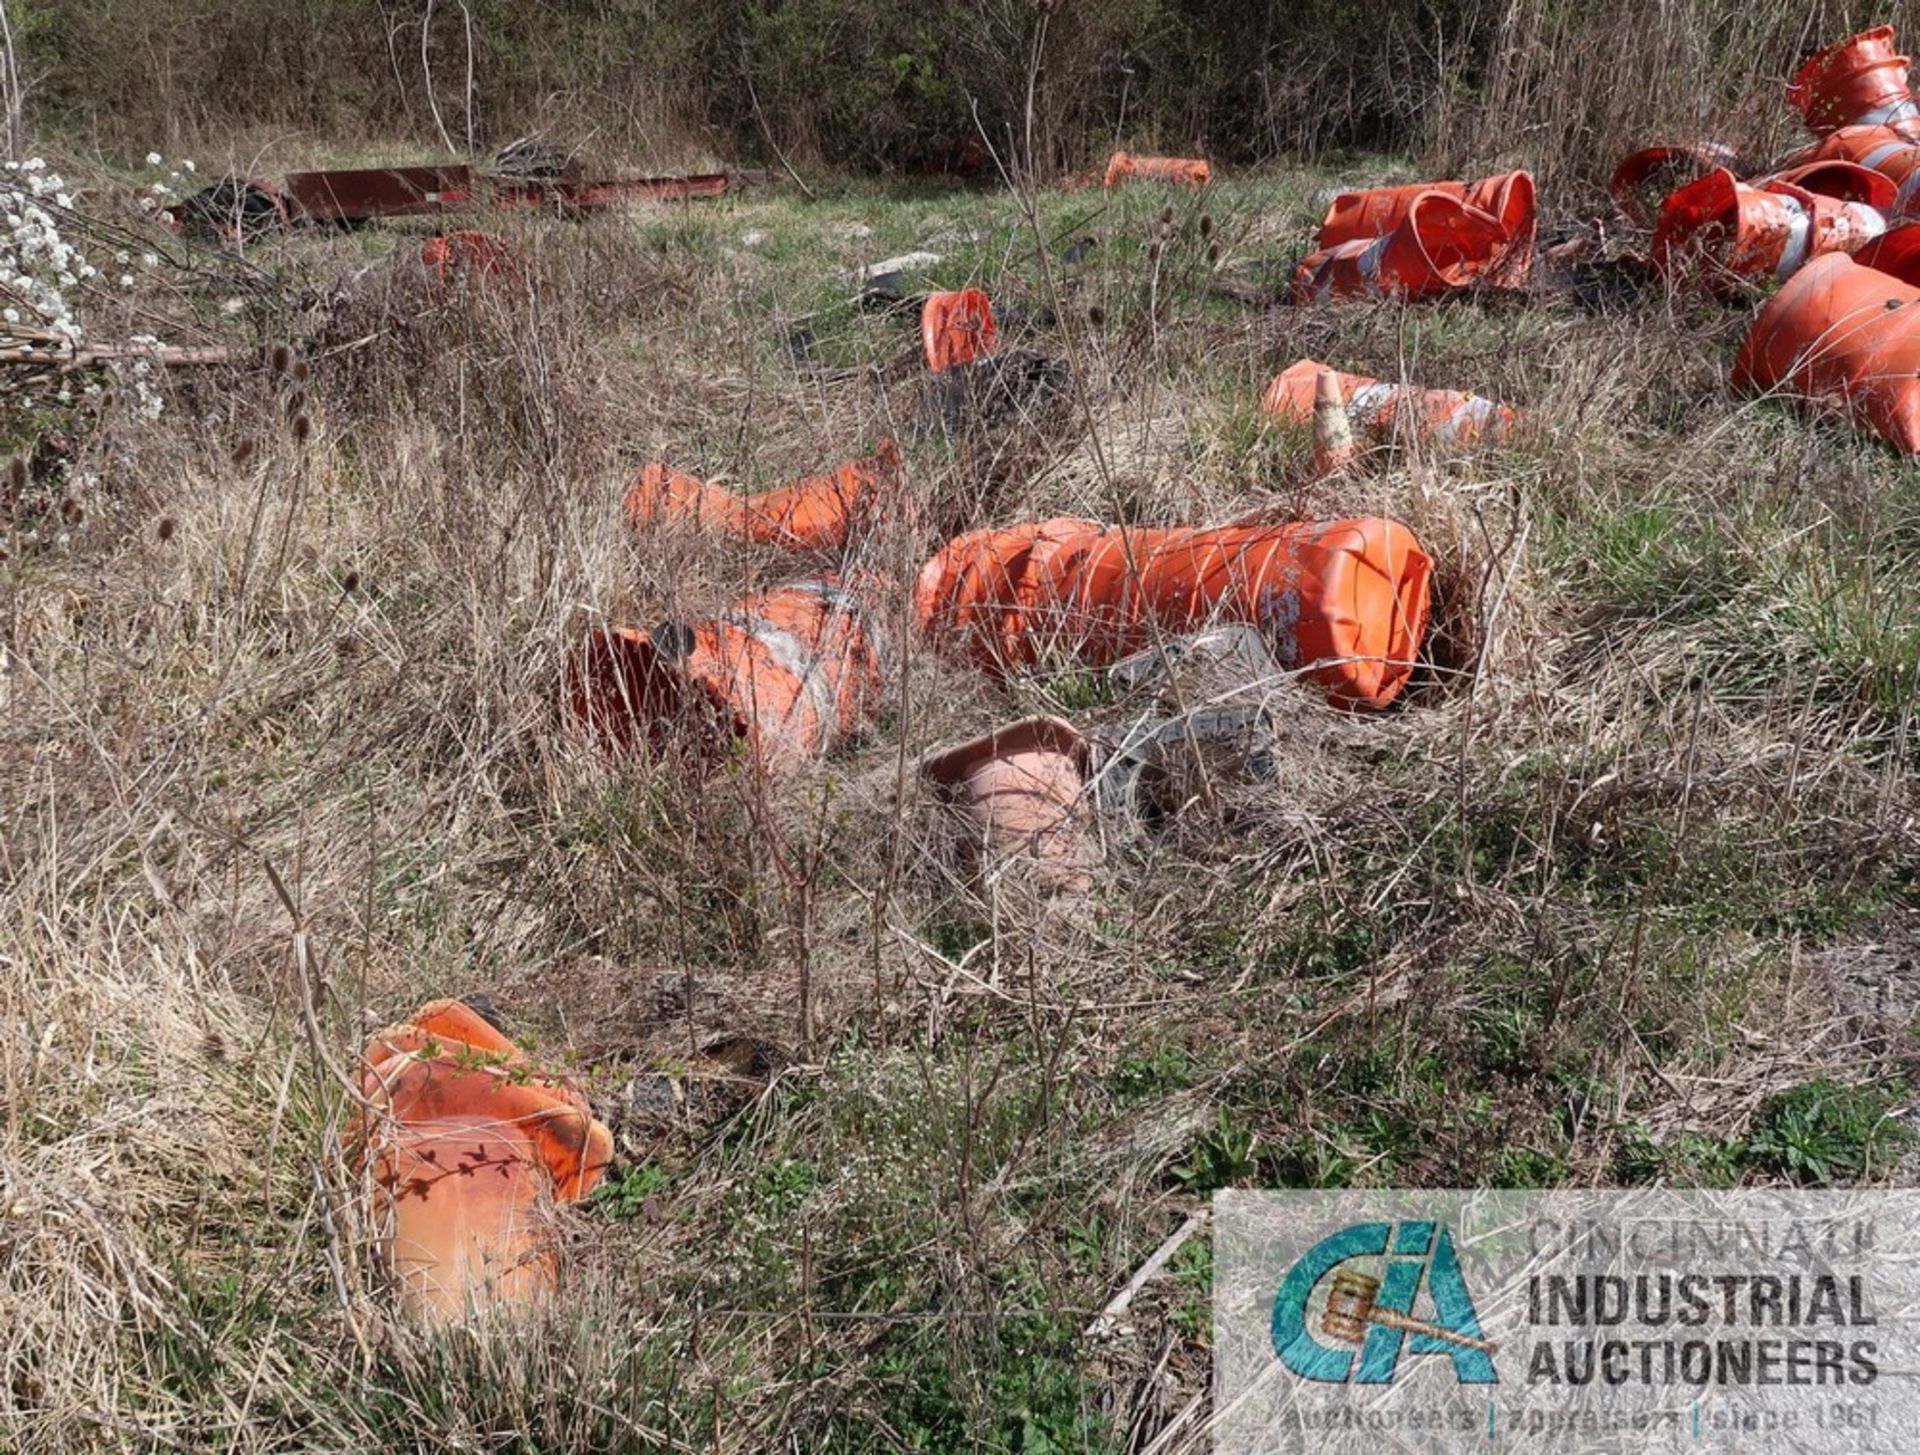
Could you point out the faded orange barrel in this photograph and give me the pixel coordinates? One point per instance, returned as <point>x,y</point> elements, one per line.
<point>1023,788</point>
<point>1720,232</point>
<point>1842,339</point>
<point>817,512</point>
<point>957,328</point>
<point>469,1148</point>
<point>1895,253</point>
<point>1383,410</point>
<point>788,673</point>
<point>1180,171</point>
<point>1346,600</point>
<point>1860,81</point>
<point>1507,197</point>
<point>1440,244</point>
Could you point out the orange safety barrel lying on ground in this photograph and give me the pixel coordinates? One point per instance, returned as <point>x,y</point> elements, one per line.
<point>1883,149</point>
<point>1643,180</point>
<point>1185,171</point>
<point>1721,232</point>
<point>451,256</point>
<point>1844,339</point>
<point>1895,253</point>
<point>1354,216</point>
<point>1345,599</point>
<point>1440,244</point>
<point>469,1149</point>
<point>1383,410</point>
<point>816,512</point>
<point>1860,81</point>
<point>788,672</point>
<point>957,328</point>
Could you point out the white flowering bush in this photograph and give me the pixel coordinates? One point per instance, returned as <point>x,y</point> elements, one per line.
<point>39,268</point>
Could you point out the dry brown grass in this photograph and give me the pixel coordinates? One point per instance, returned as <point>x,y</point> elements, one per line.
<point>1623,865</point>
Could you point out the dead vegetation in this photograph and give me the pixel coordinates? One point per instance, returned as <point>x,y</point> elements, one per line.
<point>284,755</point>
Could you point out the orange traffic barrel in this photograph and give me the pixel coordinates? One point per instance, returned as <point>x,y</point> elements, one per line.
<point>1440,244</point>
<point>1507,197</point>
<point>1860,81</point>
<point>470,1147</point>
<point>1895,252</point>
<point>1345,600</point>
<point>1884,149</point>
<point>1722,232</point>
<point>788,673</point>
<point>1644,179</point>
<point>1383,410</point>
<point>817,512</point>
<point>1842,339</point>
<point>1022,789</point>
<point>957,328</point>
<point>1182,171</point>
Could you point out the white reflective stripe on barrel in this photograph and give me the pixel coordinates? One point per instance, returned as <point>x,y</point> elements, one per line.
<point>1799,237</point>
<point>1366,403</point>
<point>1902,110</point>
<point>1473,417</point>
<point>1907,189</point>
<point>803,662</point>
<point>1872,160</point>
<point>1370,261</point>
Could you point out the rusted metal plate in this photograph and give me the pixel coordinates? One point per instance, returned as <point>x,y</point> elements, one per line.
<point>354,196</point>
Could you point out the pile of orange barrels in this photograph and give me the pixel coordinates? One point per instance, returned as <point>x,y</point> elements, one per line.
<point>1836,225</point>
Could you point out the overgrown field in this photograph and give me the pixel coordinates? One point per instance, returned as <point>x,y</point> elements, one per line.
<point>1620,892</point>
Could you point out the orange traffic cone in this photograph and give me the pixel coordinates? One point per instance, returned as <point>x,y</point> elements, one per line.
<point>1332,430</point>
<point>469,1149</point>
<point>1345,599</point>
<point>1643,179</point>
<point>1440,244</point>
<point>1721,232</point>
<point>788,673</point>
<point>1859,81</point>
<point>815,513</point>
<point>1844,339</point>
<point>957,328</point>
<point>1383,410</point>
<point>1508,197</point>
<point>1183,171</point>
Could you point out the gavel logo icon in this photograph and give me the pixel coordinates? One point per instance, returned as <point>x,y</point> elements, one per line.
<point>1353,1303</point>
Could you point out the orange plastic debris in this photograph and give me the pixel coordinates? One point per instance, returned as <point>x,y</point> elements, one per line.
<point>1508,197</point>
<point>1721,232</point>
<point>1345,599</point>
<point>469,1149</point>
<point>957,328</point>
<point>448,257</point>
<point>1383,410</point>
<point>1643,179</point>
<point>1184,171</point>
<point>1440,244</point>
<point>788,672</point>
<point>1860,81</point>
<point>1844,339</point>
<point>816,512</point>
